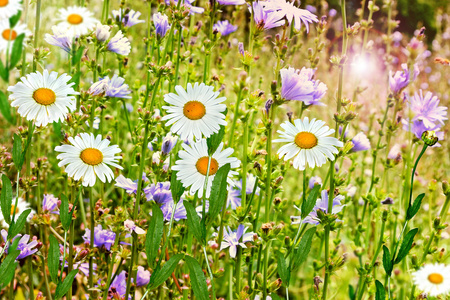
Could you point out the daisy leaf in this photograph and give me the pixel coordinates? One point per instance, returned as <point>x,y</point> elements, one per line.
<point>6,199</point>
<point>387,262</point>
<point>308,205</point>
<point>154,234</point>
<point>198,279</point>
<point>406,245</point>
<point>218,196</point>
<point>16,51</point>
<point>214,140</point>
<point>9,264</point>
<point>381,294</point>
<point>14,19</point>
<point>283,269</point>
<point>413,209</point>
<point>176,187</point>
<point>302,251</point>
<point>193,221</point>
<point>16,227</point>
<point>160,275</point>
<point>65,215</point>
<point>63,287</point>
<point>53,259</point>
<point>5,108</point>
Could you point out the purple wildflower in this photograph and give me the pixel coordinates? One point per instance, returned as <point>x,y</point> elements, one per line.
<point>102,237</point>
<point>61,38</point>
<point>232,239</point>
<point>119,44</point>
<point>225,27</point>
<point>291,13</point>
<point>188,3</point>
<point>250,184</point>
<point>127,184</point>
<point>114,87</point>
<point>399,80</point>
<point>168,143</point>
<point>231,2</point>
<point>233,198</point>
<point>161,23</point>
<point>180,211</point>
<point>418,127</point>
<point>322,204</point>
<point>130,227</point>
<point>313,181</point>
<point>395,152</point>
<point>143,276</point>
<point>118,286</point>
<point>50,204</point>
<point>102,32</point>
<point>265,19</point>
<point>426,109</point>
<point>159,192</point>
<point>25,248</point>
<point>360,142</point>
<point>299,85</point>
<point>129,19</point>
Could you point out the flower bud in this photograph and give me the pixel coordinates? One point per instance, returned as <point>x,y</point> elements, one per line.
<point>102,32</point>
<point>429,137</point>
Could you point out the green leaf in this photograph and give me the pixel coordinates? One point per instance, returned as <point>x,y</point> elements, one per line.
<point>64,214</point>
<point>14,19</point>
<point>176,186</point>
<point>63,287</point>
<point>16,51</point>
<point>351,292</point>
<point>9,264</point>
<point>17,152</point>
<point>53,259</point>
<point>275,296</point>
<point>154,234</point>
<point>57,130</point>
<point>5,108</point>
<point>387,261</point>
<point>406,245</point>
<point>381,294</point>
<point>4,72</point>
<point>308,205</point>
<point>413,209</point>
<point>302,251</point>
<point>218,191</point>
<point>193,221</point>
<point>160,275</point>
<point>16,227</point>
<point>214,140</point>
<point>283,269</point>
<point>76,57</point>
<point>6,199</point>
<point>198,279</point>
<point>75,79</point>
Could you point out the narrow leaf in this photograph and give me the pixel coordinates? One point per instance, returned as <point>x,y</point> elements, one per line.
<point>302,251</point>
<point>162,274</point>
<point>53,259</point>
<point>193,221</point>
<point>198,279</point>
<point>65,215</point>
<point>414,208</point>
<point>154,234</point>
<point>406,245</point>
<point>5,108</point>
<point>63,287</point>
<point>283,269</point>
<point>14,19</point>
<point>76,57</point>
<point>214,140</point>
<point>351,292</point>
<point>17,152</point>
<point>308,205</point>
<point>381,294</point>
<point>16,51</point>
<point>6,199</point>
<point>387,261</point>
<point>17,227</point>
<point>218,191</point>
<point>9,264</point>
<point>176,187</point>
<point>4,72</point>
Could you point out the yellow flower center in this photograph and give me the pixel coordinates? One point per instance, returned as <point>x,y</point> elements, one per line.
<point>44,96</point>
<point>74,19</point>
<point>12,209</point>
<point>305,140</point>
<point>436,278</point>
<point>194,110</point>
<point>9,34</point>
<point>91,156</point>
<point>202,166</point>
<point>3,3</point>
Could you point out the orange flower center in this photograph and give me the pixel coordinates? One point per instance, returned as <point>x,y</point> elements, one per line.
<point>436,278</point>
<point>74,19</point>
<point>44,96</point>
<point>3,3</point>
<point>12,209</point>
<point>194,110</point>
<point>202,166</point>
<point>9,34</point>
<point>91,156</point>
<point>305,140</point>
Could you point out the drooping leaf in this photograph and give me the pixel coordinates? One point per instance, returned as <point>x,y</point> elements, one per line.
<point>414,208</point>
<point>302,251</point>
<point>53,259</point>
<point>154,234</point>
<point>406,245</point>
<point>308,205</point>
<point>218,191</point>
<point>158,277</point>
<point>63,287</point>
<point>65,215</point>
<point>17,152</point>
<point>9,264</point>
<point>16,51</point>
<point>381,293</point>
<point>193,221</point>
<point>387,261</point>
<point>5,108</point>
<point>6,199</point>
<point>198,279</point>
<point>215,139</point>
<point>14,19</point>
<point>283,269</point>
<point>176,187</point>
<point>16,227</point>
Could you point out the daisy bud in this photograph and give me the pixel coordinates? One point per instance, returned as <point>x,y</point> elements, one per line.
<point>429,137</point>
<point>275,285</point>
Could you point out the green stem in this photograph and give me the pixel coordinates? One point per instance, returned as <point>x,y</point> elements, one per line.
<point>238,270</point>
<point>36,31</point>
<point>235,117</point>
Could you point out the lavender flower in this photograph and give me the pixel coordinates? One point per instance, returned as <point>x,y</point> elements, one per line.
<point>159,192</point>
<point>119,44</point>
<point>250,185</point>
<point>231,2</point>
<point>127,184</point>
<point>61,38</point>
<point>50,204</point>
<point>313,181</point>
<point>265,19</point>
<point>102,237</point>
<point>114,87</point>
<point>395,152</point>
<point>188,3</point>
<point>291,13</point>
<point>233,198</point>
<point>399,80</point>
<point>130,227</point>
<point>161,23</point>
<point>25,248</point>
<point>143,276</point>
<point>168,143</point>
<point>180,211</point>
<point>232,239</point>
<point>322,204</point>
<point>426,109</point>
<point>360,142</point>
<point>299,85</point>
<point>225,27</point>
<point>102,32</point>
<point>118,286</point>
<point>129,19</point>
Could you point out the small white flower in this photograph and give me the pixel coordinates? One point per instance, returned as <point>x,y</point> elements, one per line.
<point>78,20</point>
<point>195,112</point>
<point>88,158</point>
<point>102,32</point>
<point>44,98</point>
<point>433,279</point>
<point>8,34</point>
<point>9,8</point>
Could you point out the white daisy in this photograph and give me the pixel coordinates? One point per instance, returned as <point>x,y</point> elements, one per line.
<point>78,20</point>
<point>194,112</point>
<point>87,158</point>
<point>22,205</point>
<point>44,98</point>
<point>193,165</point>
<point>9,8</point>
<point>308,142</point>
<point>433,279</point>
<point>8,34</point>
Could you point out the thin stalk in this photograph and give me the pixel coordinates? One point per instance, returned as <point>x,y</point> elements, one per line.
<point>235,117</point>
<point>36,31</point>
<point>238,270</point>
<point>91,244</point>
